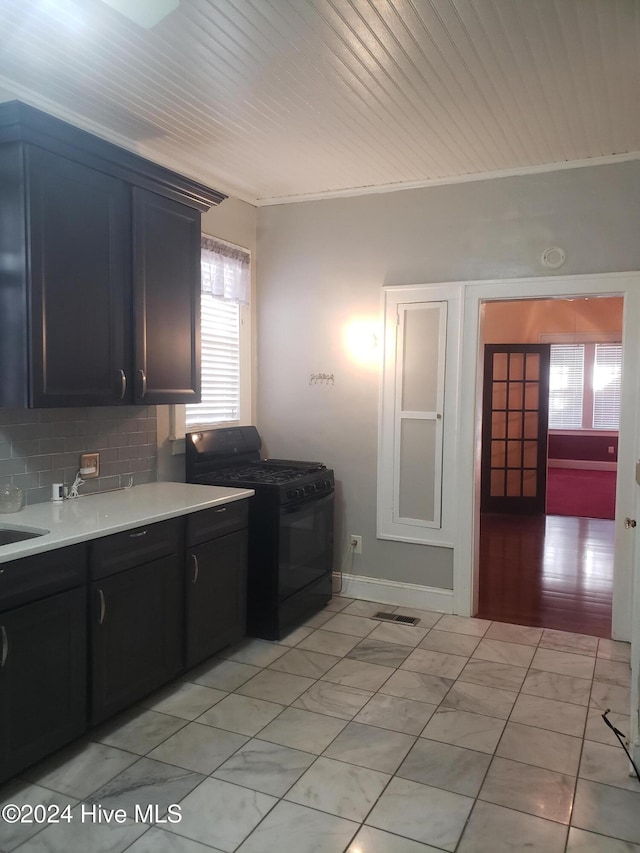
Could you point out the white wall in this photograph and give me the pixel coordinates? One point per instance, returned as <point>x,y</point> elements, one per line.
<point>322,264</point>
<point>234,221</point>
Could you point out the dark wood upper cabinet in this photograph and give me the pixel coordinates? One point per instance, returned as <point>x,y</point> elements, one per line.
<point>166,292</point>
<point>80,283</point>
<point>99,270</point>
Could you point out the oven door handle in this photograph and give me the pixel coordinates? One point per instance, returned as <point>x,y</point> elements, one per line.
<point>303,503</point>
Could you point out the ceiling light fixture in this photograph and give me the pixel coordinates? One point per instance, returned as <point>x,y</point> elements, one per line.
<point>145,13</point>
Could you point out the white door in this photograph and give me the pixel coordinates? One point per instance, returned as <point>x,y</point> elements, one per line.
<point>418,415</point>
<point>419,381</point>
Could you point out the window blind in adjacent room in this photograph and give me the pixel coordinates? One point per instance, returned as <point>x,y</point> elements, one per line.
<point>607,383</point>
<point>566,386</point>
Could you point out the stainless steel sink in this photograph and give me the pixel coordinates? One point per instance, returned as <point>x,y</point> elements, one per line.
<point>9,535</point>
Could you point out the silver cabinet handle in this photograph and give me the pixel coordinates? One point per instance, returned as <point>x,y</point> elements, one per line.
<point>123,384</point>
<point>222,509</point>
<point>137,535</point>
<point>196,569</point>
<point>5,646</point>
<point>102,607</point>
<point>143,382</point>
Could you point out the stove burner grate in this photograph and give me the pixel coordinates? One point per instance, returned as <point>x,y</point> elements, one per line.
<point>275,474</point>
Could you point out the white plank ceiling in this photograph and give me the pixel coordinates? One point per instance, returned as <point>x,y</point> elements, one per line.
<point>282,99</point>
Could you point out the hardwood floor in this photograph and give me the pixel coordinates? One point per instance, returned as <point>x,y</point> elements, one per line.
<point>547,571</point>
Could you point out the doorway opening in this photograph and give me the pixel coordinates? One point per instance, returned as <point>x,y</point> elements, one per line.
<point>551,401</point>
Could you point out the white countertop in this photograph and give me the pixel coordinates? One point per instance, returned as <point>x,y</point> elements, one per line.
<point>91,516</point>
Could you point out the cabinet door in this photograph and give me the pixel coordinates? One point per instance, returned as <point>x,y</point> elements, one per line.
<point>166,281</point>
<point>43,689</point>
<point>80,283</point>
<point>137,633</point>
<point>216,595</point>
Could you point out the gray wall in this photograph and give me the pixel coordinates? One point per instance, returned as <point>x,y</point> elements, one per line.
<point>322,264</point>
<point>43,446</point>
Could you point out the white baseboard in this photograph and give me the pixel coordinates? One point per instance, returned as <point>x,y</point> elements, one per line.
<point>397,593</point>
<point>583,464</point>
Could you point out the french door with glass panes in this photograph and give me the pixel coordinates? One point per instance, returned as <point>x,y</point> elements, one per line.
<point>515,428</point>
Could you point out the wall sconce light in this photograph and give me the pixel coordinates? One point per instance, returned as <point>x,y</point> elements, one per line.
<point>361,338</point>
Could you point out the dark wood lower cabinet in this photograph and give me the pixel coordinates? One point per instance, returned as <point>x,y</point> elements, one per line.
<point>216,595</point>
<point>137,624</point>
<point>43,695</point>
<point>77,648</point>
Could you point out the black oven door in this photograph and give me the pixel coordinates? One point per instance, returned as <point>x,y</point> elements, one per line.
<point>306,544</point>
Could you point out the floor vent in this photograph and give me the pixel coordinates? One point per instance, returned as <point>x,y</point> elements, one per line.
<point>395,617</point>
<point>407,620</point>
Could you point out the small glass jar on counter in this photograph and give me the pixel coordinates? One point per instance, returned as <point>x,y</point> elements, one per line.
<point>11,498</point>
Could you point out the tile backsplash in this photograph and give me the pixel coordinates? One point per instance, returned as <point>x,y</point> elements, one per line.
<point>39,447</point>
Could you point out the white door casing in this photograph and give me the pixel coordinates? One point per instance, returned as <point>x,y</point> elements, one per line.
<point>626,285</point>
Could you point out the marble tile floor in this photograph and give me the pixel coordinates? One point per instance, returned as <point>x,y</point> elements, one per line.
<point>358,736</point>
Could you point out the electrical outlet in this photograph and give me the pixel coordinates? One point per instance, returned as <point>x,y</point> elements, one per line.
<point>356,544</point>
<point>89,465</point>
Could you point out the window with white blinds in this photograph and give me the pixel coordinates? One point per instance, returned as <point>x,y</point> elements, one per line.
<point>220,358</point>
<point>607,384</point>
<point>566,386</point>
<point>225,285</point>
<point>584,386</point>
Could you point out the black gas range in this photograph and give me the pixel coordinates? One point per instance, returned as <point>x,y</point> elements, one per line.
<point>290,547</point>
